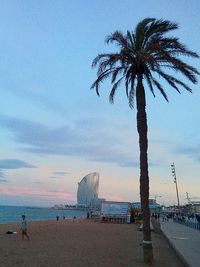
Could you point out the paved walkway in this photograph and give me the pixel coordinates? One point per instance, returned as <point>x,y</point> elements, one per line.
<point>185,240</point>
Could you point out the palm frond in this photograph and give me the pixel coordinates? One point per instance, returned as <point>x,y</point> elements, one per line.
<point>113,91</point>
<point>128,81</point>
<point>157,84</point>
<point>140,30</point>
<point>162,26</point>
<point>115,73</point>
<point>130,72</point>
<point>148,77</point>
<point>118,38</point>
<point>173,81</point>
<point>173,46</point>
<point>169,79</point>
<point>131,95</point>
<point>131,38</point>
<point>100,79</point>
<point>98,59</point>
<point>157,28</point>
<point>177,64</point>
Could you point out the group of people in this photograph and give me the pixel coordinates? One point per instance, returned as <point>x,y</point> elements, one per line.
<point>58,218</point>
<point>155,216</point>
<point>176,217</point>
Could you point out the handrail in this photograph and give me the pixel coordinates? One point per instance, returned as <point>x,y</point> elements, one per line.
<point>194,225</point>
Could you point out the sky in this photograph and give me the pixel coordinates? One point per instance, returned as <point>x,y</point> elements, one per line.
<point>54,129</point>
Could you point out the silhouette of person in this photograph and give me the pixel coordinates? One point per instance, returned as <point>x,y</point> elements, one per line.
<point>24,228</point>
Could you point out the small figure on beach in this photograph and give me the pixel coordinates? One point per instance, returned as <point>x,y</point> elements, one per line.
<point>57,218</point>
<point>88,215</point>
<point>24,228</point>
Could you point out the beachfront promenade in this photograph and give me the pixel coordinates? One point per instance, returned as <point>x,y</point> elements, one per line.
<point>185,240</point>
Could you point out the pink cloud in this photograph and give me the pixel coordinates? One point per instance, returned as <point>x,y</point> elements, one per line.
<point>27,192</point>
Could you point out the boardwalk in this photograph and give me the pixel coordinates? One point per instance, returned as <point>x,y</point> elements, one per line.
<point>185,240</point>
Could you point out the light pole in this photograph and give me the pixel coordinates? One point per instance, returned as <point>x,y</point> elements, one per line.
<point>175,181</point>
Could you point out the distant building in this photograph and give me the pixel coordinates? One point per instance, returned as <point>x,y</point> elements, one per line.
<point>153,206</point>
<point>115,209</point>
<point>88,189</point>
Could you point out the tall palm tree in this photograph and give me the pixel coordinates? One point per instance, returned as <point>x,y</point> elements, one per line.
<point>143,57</point>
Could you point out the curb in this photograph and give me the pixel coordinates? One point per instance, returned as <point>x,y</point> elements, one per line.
<point>179,254</point>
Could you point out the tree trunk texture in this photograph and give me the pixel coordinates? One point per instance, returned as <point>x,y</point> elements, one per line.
<point>144,176</point>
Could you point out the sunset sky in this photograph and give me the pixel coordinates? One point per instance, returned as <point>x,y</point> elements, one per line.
<point>54,130</point>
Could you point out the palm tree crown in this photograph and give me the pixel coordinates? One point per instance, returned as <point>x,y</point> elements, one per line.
<point>145,52</point>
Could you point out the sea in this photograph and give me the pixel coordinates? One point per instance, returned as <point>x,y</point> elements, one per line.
<point>12,214</point>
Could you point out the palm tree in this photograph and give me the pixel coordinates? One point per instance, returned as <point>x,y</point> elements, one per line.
<point>143,57</point>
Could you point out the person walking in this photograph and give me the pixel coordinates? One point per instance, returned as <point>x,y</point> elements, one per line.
<point>24,228</point>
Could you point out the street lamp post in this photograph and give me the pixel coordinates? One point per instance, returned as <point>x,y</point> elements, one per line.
<point>175,181</point>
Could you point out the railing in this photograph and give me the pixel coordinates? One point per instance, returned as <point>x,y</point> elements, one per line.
<point>194,225</point>
<point>118,218</point>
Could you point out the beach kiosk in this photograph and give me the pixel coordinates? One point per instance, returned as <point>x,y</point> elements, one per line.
<point>114,211</point>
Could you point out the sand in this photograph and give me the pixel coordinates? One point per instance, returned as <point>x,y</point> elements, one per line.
<point>86,243</point>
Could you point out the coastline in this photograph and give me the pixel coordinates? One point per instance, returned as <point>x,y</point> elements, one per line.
<point>12,214</point>
<point>80,242</point>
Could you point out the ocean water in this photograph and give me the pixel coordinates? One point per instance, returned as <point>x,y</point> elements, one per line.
<point>12,214</point>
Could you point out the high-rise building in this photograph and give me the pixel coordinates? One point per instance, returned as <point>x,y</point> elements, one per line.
<point>88,189</point>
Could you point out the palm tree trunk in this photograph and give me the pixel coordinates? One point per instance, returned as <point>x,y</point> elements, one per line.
<point>144,176</point>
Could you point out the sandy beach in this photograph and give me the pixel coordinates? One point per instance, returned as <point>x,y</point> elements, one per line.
<point>81,243</point>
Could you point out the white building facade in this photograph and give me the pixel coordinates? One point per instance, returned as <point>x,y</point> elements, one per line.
<point>88,189</point>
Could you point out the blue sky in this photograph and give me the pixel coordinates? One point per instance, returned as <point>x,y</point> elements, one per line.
<point>54,130</point>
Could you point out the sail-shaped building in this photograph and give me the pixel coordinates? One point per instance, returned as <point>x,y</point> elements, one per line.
<point>88,189</point>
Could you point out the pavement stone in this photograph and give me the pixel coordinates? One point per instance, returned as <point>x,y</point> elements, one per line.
<point>185,240</point>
